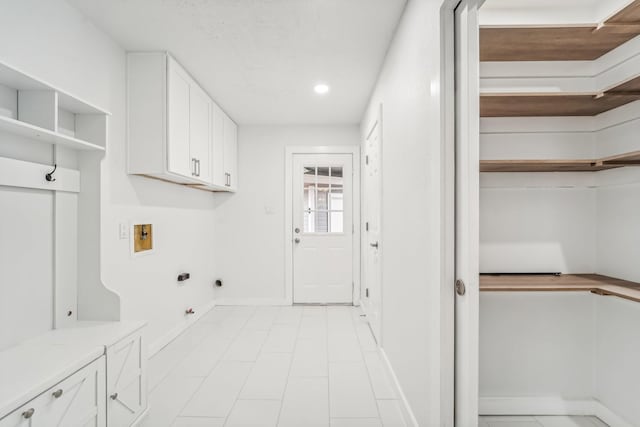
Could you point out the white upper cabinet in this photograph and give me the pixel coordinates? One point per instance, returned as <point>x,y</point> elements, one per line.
<point>230,153</point>
<point>175,130</point>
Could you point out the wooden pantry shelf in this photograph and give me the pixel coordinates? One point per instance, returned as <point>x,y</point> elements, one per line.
<point>586,165</point>
<point>560,43</point>
<point>596,283</point>
<point>39,134</point>
<point>553,105</point>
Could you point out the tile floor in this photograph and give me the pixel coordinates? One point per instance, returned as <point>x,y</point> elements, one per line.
<point>547,421</point>
<point>285,366</point>
<point>273,366</point>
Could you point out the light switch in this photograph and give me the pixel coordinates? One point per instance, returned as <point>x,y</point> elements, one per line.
<point>124,231</point>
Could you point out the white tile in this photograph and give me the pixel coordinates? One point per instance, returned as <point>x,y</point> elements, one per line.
<point>201,361</point>
<point>365,336</point>
<point>511,421</point>
<point>263,318</point>
<point>261,413</point>
<point>310,359</point>
<point>350,393</point>
<point>166,401</point>
<point>268,378</point>
<point>306,403</point>
<point>289,316</point>
<point>355,422</point>
<point>281,339</point>
<point>380,379</point>
<point>313,327</point>
<point>343,348</point>
<point>573,421</point>
<point>246,346</point>
<point>198,422</point>
<point>391,413</point>
<point>219,391</point>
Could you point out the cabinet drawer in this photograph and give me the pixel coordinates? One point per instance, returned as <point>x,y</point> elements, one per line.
<point>79,400</point>
<point>126,380</point>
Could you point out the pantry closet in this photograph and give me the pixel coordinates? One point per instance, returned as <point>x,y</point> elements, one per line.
<point>559,223</point>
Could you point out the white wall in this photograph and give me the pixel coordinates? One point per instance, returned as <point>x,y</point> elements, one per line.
<point>408,89</point>
<point>51,40</point>
<point>249,240</point>
<point>536,344</point>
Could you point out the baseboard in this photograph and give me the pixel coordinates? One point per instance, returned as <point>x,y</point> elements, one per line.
<point>253,301</point>
<point>406,408</point>
<point>540,406</point>
<point>165,339</point>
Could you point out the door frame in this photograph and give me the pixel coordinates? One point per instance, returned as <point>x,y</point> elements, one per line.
<point>290,151</point>
<point>460,392</point>
<point>374,122</point>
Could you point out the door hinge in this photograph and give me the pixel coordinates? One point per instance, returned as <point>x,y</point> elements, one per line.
<point>366,226</point>
<point>366,292</point>
<point>366,160</point>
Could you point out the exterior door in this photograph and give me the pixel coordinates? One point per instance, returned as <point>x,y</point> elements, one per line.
<point>467,136</point>
<point>372,271</point>
<point>322,198</point>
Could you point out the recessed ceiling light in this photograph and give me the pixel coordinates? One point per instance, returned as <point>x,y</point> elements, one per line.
<point>321,88</point>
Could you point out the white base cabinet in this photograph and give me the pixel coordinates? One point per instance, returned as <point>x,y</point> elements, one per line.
<point>92,374</point>
<point>175,131</point>
<point>78,400</point>
<point>126,381</point>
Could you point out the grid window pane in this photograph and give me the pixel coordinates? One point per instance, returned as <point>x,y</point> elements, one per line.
<point>323,202</point>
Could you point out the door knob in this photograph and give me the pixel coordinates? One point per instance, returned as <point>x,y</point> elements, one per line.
<point>374,245</point>
<point>57,393</point>
<point>114,396</point>
<point>297,240</point>
<point>297,230</point>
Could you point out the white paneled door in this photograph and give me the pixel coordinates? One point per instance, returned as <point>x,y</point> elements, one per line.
<point>322,198</point>
<point>372,271</point>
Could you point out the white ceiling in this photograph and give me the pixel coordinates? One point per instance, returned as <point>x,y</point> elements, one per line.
<point>259,59</point>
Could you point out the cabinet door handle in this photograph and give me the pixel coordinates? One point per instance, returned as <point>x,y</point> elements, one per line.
<point>193,166</point>
<point>198,163</point>
<point>28,413</point>
<point>57,393</point>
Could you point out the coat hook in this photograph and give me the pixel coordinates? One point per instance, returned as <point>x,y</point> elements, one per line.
<point>49,177</point>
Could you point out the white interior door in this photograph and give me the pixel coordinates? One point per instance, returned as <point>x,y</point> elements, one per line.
<point>372,271</point>
<point>322,198</point>
<point>467,136</point>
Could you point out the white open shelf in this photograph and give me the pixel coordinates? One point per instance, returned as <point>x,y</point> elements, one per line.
<point>39,111</point>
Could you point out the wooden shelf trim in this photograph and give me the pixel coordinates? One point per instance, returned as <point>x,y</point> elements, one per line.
<point>595,283</point>
<point>586,165</point>
<point>556,43</point>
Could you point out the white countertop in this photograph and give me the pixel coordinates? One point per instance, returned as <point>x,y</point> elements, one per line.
<point>39,363</point>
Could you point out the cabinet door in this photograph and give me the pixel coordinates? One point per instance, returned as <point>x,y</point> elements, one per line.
<point>200,132</point>
<point>219,173</point>
<point>126,381</point>
<point>78,400</point>
<point>230,153</point>
<point>178,145</point>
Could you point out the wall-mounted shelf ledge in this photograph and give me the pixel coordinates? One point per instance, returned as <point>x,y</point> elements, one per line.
<point>595,283</point>
<point>584,165</point>
<point>37,133</point>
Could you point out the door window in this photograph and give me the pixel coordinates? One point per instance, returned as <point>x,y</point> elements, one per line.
<point>323,208</point>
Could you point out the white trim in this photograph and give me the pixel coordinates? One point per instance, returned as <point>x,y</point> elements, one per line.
<point>354,150</point>
<point>164,340</point>
<point>541,406</point>
<point>141,418</point>
<point>406,408</point>
<point>18,173</point>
